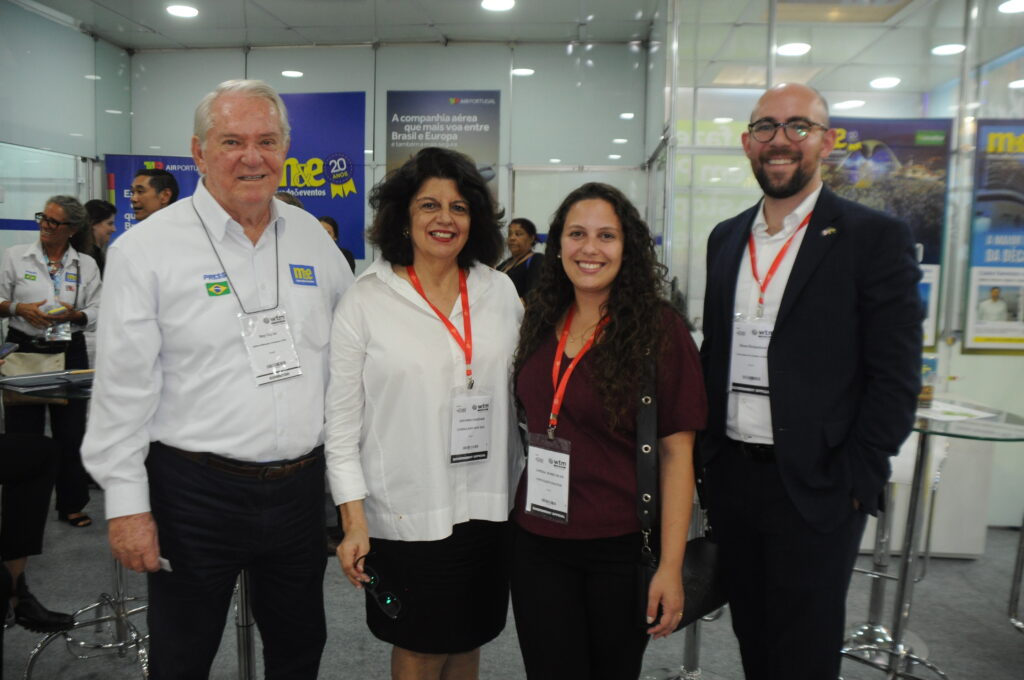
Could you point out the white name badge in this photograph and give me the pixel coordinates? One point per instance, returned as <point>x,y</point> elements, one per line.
<point>268,340</point>
<point>471,426</point>
<point>547,478</point>
<point>748,370</point>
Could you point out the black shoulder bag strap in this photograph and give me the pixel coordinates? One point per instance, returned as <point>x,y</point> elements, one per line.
<point>647,460</point>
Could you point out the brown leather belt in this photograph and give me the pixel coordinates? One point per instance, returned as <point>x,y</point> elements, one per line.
<point>278,469</point>
<point>758,453</point>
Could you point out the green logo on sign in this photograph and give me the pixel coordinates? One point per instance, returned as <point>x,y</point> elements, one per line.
<point>216,289</point>
<point>929,138</point>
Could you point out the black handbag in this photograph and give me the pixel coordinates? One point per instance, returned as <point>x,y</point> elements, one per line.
<point>703,591</point>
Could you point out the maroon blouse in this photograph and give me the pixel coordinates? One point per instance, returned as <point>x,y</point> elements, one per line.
<point>602,462</point>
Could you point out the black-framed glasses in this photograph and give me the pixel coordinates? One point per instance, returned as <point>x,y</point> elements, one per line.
<point>43,218</point>
<point>796,130</point>
<point>386,600</point>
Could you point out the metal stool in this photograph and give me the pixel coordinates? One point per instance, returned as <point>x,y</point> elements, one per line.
<point>112,633</point>
<point>125,637</point>
<point>870,643</point>
<point>1018,571</point>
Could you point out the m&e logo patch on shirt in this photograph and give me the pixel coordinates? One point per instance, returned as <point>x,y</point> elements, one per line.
<point>71,277</point>
<point>30,276</point>
<point>216,289</point>
<point>303,274</point>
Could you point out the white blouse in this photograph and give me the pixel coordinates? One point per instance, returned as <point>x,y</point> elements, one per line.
<point>393,368</point>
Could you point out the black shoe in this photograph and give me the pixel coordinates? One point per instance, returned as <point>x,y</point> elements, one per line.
<point>29,613</point>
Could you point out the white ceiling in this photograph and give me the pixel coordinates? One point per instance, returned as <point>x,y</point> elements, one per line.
<point>144,24</point>
<point>722,42</point>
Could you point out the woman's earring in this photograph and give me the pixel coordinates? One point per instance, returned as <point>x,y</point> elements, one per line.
<point>405,232</point>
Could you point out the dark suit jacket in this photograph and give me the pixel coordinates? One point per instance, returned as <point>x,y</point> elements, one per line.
<point>844,362</point>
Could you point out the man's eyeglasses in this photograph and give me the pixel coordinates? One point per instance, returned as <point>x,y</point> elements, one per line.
<point>387,601</point>
<point>796,130</point>
<point>43,218</point>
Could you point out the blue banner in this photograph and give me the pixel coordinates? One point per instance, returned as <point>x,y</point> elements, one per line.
<point>122,169</point>
<point>324,168</point>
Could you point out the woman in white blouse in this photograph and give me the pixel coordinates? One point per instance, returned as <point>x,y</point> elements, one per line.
<point>421,440</point>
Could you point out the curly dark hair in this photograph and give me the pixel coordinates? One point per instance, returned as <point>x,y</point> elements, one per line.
<point>635,304</point>
<point>390,201</point>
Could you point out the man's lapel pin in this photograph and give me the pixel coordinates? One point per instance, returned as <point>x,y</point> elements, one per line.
<point>828,231</point>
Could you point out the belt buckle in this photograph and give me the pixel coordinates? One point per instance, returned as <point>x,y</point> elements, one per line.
<point>272,472</point>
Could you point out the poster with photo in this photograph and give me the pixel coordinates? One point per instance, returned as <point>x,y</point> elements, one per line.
<point>996,279</point>
<point>463,120</point>
<point>899,166</point>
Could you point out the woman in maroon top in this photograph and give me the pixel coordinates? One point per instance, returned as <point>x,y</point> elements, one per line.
<point>596,318</point>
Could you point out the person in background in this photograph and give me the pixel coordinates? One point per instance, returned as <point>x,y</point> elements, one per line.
<point>420,424</point>
<point>93,241</point>
<point>523,265</point>
<point>207,416</point>
<point>289,198</point>
<point>27,469</point>
<point>51,292</point>
<point>812,360</point>
<point>596,322</point>
<point>994,308</point>
<point>330,225</point>
<point>152,189</point>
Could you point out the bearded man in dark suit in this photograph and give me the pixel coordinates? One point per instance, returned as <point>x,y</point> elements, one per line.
<point>811,356</point>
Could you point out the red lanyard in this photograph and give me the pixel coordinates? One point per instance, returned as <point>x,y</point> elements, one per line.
<point>556,367</point>
<point>467,344</point>
<point>763,286</point>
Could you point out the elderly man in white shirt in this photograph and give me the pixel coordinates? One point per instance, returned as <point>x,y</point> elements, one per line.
<point>207,422</point>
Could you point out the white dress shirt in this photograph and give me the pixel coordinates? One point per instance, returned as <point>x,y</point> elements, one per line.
<point>171,363</point>
<point>749,416</point>
<point>25,277</point>
<point>393,367</point>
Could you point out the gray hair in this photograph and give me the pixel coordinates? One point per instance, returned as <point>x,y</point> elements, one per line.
<point>74,212</point>
<point>248,88</point>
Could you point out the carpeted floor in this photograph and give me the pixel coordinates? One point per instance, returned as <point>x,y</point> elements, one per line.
<point>959,611</point>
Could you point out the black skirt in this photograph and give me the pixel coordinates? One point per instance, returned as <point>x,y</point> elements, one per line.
<point>453,593</point>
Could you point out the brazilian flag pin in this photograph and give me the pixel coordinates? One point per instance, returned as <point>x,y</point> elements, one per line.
<point>217,289</point>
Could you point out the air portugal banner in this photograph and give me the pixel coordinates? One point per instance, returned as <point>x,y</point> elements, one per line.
<point>899,166</point>
<point>463,120</point>
<point>995,319</point>
<point>324,167</point>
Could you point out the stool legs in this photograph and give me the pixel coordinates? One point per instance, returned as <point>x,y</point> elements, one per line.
<point>1018,571</point>
<point>244,623</point>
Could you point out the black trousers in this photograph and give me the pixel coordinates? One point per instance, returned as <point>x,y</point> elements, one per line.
<point>786,581</point>
<point>67,424</point>
<point>27,465</point>
<point>575,606</point>
<point>213,524</point>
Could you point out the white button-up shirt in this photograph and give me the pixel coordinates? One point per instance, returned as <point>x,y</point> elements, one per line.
<point>25,277</point>
<point>171,363</point>
<point>393,367</point>
<point>749,416</point>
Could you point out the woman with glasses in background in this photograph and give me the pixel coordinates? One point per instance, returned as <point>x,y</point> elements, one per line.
<point>420,422</point>
<point>51,293</point>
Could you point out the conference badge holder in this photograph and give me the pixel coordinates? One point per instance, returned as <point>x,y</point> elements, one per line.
<point>271,348</point>
<point>748,368</point>
<point>471,425</point>
<point>547,478</point>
